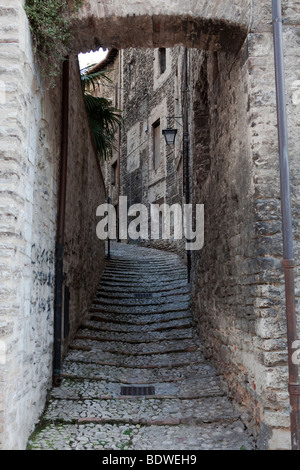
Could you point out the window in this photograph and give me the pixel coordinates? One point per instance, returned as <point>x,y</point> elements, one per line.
<point>162,59</point>
<point>156,144</point>
<point>132,75</point>
<point>114,173</point>
<point>159,202</point>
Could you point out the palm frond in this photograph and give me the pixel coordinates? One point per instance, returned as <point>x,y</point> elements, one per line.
<point>104,118</point>
<point>93,79</point>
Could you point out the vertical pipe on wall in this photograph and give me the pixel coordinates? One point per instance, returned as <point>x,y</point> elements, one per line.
<point>288,256</point>
<point>58,303</point>
<point>186,145</point>
<point>119,142</point>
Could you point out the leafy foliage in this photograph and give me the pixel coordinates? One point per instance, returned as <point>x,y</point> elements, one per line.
<point>50,25</point>
<point>104,118</point>
<point>91,79</point>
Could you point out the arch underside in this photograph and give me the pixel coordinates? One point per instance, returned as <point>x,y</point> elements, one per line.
<point>91,33</point>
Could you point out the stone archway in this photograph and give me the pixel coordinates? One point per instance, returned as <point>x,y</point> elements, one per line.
<point>205,25</point>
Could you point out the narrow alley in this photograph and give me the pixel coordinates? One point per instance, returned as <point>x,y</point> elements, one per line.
<point>135,376</point>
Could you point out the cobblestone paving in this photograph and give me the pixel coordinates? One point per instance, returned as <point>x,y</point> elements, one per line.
<point>140,334</point>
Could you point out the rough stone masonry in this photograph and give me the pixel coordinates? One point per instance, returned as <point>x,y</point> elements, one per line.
<point>30,153</point>
<point>237,278</point>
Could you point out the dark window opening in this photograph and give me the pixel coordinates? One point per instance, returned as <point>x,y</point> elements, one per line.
<point>114,173</point>
<point>156,144</point>
<point>162,59</point>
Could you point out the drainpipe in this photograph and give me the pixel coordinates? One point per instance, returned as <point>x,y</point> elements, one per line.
<point>61,227</point>
<point>186,145</point>
<point>288,256</point>
<point>119,143</point>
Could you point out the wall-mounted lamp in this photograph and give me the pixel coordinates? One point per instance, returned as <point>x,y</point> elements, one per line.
<point>170,133</point>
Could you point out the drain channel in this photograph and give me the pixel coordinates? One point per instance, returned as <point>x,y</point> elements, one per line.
<point>137,391</point>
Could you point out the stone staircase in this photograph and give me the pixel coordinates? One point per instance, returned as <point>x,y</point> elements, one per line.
<point>135,376</point>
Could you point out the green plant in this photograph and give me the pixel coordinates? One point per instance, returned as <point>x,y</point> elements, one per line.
<point>122,445</point>
<point>50,24</point>
<point>104,118</point>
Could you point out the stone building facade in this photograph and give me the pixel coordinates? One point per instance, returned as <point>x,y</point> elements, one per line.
<point>237,278</point>
<point>151,172</point>
<point>146,85</point>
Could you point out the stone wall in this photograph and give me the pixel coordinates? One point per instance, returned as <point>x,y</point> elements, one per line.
<point>238,286</point>
<point>84,252</point>
<point>30,146</point>
<point>30,124</point>
<point>223,291</point>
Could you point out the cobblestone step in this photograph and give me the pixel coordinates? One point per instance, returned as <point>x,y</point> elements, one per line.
<point>152,318</point>
<point>145,411</point>
<point>164,267</point>
<point>119,293</point>
<point>102,436</point>
<point>125,348</point>
<point>160,283</point>
<point>142,301</point>
<point>76,387</point>
<point>140,333</point>
<point>149,322</point>
<point>135,337</point>
<point>190,375</point>
<point>152,360</point>
<point>141,310</point>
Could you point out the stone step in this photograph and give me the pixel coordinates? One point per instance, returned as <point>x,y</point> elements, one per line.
<point>196,373</point>
<point>135,337</point>
<point>138,301</point>
<point>145,267</point>
<point>170,359</point>
<point>154,318</point>
<point>141,410</point>
<point>93,343</point>
<point>107,325</point>
<point>146,255</point>
<point>140,310</point>
<point>112,350</point>
<point>80,387</point>
<point>163,266</point>
<point>143,277</point>
<point>131,289</point>
<point>144,286</point>
<point>120,293</point>
<point>104,436</point>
